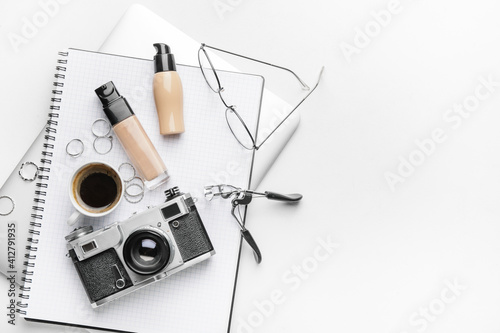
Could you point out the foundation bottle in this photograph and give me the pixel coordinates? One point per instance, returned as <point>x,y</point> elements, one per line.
<point>132,136</point>
<point>167,90</point>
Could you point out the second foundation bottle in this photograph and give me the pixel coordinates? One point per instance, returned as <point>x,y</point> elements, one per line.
<point>167,89</point>
<point>132,136</point>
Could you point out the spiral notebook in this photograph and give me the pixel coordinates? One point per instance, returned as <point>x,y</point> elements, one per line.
<point>197,299</point>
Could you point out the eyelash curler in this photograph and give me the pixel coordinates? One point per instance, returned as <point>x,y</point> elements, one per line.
<point>240,197</point>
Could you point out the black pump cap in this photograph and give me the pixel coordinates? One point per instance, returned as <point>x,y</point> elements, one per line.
<point>114,105</point>
<point>164,60</point>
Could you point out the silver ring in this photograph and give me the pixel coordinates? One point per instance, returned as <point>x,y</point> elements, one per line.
<point>133,169</point>
<point>134,201</point>
<point>110,138</point>
<point>21,172</point>
<point>134,195</point>
<point>105,134</point>
<point>77,153</point>
<point>142,181</point>
<point>13,205</point>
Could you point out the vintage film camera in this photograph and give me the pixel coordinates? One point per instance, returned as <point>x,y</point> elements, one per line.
<point>149,246</point>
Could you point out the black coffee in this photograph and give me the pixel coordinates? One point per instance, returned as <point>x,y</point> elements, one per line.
<point>98,190</point>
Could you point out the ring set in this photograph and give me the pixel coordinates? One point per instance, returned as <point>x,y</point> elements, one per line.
<point>130,183</point>
<point>75,147</point>
<point>134,197</point>
<point>102,136</point>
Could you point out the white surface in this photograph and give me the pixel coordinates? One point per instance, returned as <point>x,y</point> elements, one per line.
<point>396,249</point>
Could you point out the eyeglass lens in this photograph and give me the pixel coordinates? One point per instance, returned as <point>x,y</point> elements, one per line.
<point>236,124</point>
<point>208,71</point>
<point>239,128</point>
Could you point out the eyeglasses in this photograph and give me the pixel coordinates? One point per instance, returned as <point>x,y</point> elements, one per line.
<point>235,122</point>
<point>241,198</point>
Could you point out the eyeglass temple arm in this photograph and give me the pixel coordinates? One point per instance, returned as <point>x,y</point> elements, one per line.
<point>302,83</point>
<point>293,110</point>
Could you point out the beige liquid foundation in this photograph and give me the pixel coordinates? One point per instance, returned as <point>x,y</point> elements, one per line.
<point>132,136</point>
<point>167,89</point>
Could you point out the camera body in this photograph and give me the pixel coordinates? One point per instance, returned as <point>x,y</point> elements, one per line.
<point>125,256</point>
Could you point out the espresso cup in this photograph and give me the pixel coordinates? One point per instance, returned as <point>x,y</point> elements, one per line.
<point>95,190</point>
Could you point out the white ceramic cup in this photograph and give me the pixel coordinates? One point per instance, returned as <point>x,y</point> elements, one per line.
<point>76,190</point>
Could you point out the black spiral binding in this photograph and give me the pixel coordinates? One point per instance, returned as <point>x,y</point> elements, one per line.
<point>42,185</point>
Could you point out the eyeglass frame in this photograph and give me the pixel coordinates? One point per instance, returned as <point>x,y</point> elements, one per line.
<point>232,108</point>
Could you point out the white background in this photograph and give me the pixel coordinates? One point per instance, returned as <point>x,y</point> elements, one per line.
<point>396,249</point>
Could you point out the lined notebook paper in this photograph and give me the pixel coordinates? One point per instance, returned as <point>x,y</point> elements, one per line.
<point>197,299</point>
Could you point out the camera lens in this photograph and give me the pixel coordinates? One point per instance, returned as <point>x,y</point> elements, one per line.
<point>146,252</point>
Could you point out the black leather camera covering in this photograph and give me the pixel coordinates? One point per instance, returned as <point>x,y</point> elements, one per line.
<point>97,274</point>
<point>190,235</point>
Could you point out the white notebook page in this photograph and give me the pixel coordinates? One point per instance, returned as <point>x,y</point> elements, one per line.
<point>197,299</point>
